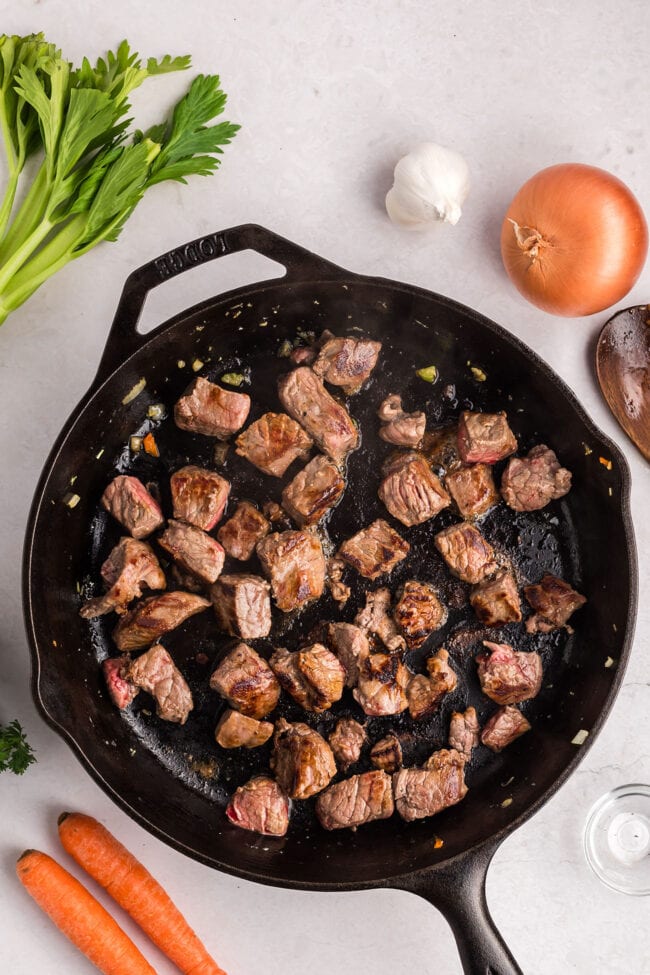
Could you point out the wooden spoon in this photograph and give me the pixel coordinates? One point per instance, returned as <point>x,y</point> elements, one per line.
<point>623,368</point>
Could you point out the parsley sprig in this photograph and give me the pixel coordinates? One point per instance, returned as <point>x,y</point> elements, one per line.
<point>16,754</point>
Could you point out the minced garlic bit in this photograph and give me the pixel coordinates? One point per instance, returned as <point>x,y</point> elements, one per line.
<point>233,378</point>
<point>507,802</point>
<point>610,492</point>
<point>197,364</point>
<point>609,662</point>
<point>73,479</point>
<point>429,374</point>
<point>137,389</point>
<point>156,411</point>
<point>588,450</point>
<point>98,456</point>
<point>71,500</point>
<point>606,463</point>
<point>135,445</point>
<point>181,363</point>
<point>580,738</point>
<point>263,323</point>
<point>478,374</point>
<point>285,349</point>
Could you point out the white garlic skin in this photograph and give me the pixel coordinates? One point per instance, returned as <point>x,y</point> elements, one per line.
<point>430,184</point>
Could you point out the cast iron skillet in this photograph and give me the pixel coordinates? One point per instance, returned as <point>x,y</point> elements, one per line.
<point>161,776</point>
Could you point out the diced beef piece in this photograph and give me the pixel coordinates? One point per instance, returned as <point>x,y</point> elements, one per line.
<point>121,690</point>
<point>261,806</point>
<point>199,496</point>
<point>129,502</point>
<point>440,448</point>
<point>356,801</point>
<point>374,618</point>
<point>418,612</point>
<point>273,442</point>
<point>185,580</point>
<point>303,355</point>
<point>398,427</point>
<point>313,491</point>
<point>508,676</point>
<point>496,601</point>
<point>425,693</point>
<point>236,730</point>
<point>314,676</point>
<point>381,687</point>
<point>531,482</point>
<point>375,550</point>
<point>208,409</point>
<point>305,398</point>
<point>339,591</point>
<point>302,760</point>
<point>468,554</point>
<point>242,605</point>
<point>386,754</point>
<point>350,644</point>
<point>155,616</point>
<point>484,438</point>
<point>194,550</point>
<point>295,564</point>
<point>411,491</point>
<point>247,682</point>
<point>503,727</point>
<point>346,362</point>
<point>157,674</point>
<point>425,792</point>
<point>241,533</point>
<point>346,741</point>
<point>464,731</point>
<point>554,601</point>
<point>130,566</point>
<point>473,489</point>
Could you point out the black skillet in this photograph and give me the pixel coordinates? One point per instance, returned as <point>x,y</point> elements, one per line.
<point>167,777</point>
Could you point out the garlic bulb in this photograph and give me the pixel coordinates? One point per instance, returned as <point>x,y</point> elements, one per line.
<point>430,184</point>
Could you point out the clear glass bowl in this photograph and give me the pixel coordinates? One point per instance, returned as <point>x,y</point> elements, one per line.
<point>617,839</point>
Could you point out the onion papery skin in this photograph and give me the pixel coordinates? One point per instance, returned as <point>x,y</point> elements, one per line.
<point>591,237</point>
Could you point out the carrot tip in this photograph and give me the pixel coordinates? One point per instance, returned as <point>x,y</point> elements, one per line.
<point>62,817</point>
<point>24,854</point>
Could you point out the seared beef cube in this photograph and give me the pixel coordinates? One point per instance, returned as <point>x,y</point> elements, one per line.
<point>295,564</point>
<point>346,362</point>
<point>381,688</point>
<point>120,690</point>
<point>155,616</point>
<point>273,442</point>
<point>484,438</point>
<point>508,676</point>
<point>194,551</point>
<point>398,427</point>
<point>386,754</point>
<point>411,491</point>
<point>375,550</point>
<point>440,448</point>
<point>425,792</point>
<point>350,645</point>
<point>339,591</point>
<point>302,760</point>
<point>242,605</point>
<point>199,496</point>
<point>208,409</point>
<point>554,601</point>
<point>315,677</point>
<point>374,618</point>
<point>247,682</point>
<point>470,557</point>
<point>503,727</point>
<point>496,601</point>
<point>313,491</point>
<point>305,398</point>
<point>241,533</point>
<point>261,806</point>
<point>425,693</point>
<point>473,489</point>
<point>346,741</point>
<point>235,730</point>
<point>129,502</point>
<point>156,673</point>
<point>130,566</point>
<point>464,731</point>
<point>418,612</point>
<point>531,482</point>
<point>356,801</point>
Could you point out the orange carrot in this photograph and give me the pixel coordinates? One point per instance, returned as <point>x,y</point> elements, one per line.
<point>136,891</point>
<point>150,445</point>
<point>79,916</point>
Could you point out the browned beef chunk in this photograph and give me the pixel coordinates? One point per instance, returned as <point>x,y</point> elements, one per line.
<point>346,741</point>
<point>381,687</point>
<point>156,673</point>
<point>503,727</point>
<point>295,564</point>
<point>340,592</point>
<point>484,438</point>
<point>128,501</point>
<point>411,491</point>
<point>315,677</point>
<point>425,693</point>
<point>356,801</point>
<point>155,616</point>
<point>206,408</point>
<point>418,612</point>
<point>242,605</point>
<point>468,554</point>
<point>427,791</point>
<point>554,601</point>
<point>302,760</point>
<point>199,496</point>
<point>346,362</point>
<point>273,442</point>
<point>464,731</point>
<point>241,533</point>
<point>194,550</point>
<point>440,448</point>
<point>398,427</point>
<point>305,398</point>
<point>473,489</point>
<point>531,482</point>
<point>374,618</point>
<point>375,550</point>
<point>386,754</point>
<point>313,491</point>
<point>350,644</point>
<point>130,566</point>
<point>261,806</point>
<point>236,730</point>
<point>496,600</point>
<point>509,676</point>
<point>247,682</point>
<point>121,690</point>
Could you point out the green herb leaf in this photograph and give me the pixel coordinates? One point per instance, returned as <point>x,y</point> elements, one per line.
<point>16,754</point>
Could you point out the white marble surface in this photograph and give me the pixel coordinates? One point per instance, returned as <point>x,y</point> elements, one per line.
<point>329,95</point>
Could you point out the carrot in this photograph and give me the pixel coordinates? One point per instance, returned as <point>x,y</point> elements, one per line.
<point>136,891</point>
<point>79,916</point>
